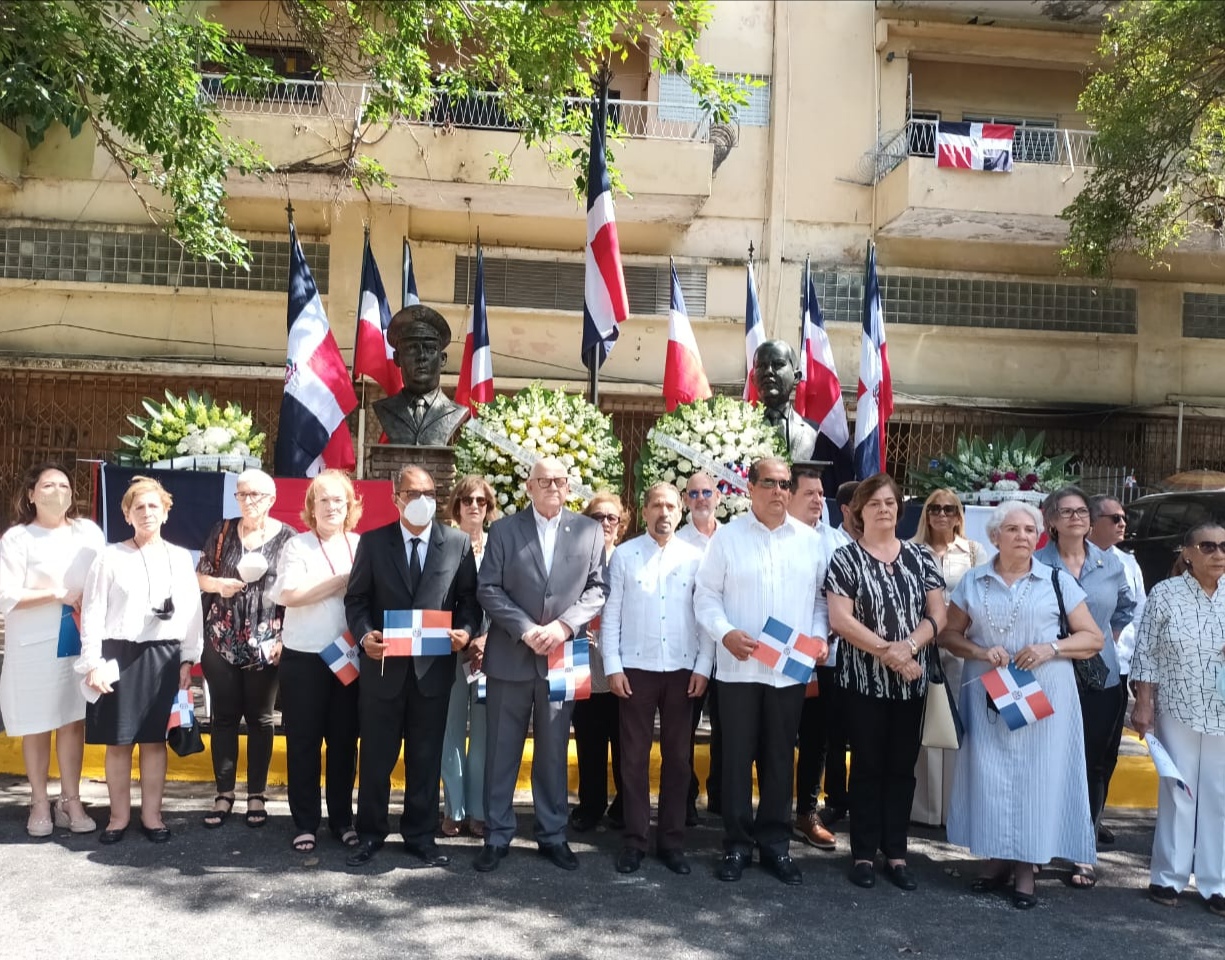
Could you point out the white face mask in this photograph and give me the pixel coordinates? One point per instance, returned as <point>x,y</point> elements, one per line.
<point>419,512</point>
<point>252,566</point>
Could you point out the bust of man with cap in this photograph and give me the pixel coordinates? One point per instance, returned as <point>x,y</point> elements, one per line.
<point>776,371</point>
<point>420,414</point>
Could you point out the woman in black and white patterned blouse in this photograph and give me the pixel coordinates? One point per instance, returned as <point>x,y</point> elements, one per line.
<point>886,602</point>
<point>1180,696</point>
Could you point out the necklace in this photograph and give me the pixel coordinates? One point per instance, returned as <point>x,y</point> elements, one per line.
<point>1006,629</point>
<point>324,551</point>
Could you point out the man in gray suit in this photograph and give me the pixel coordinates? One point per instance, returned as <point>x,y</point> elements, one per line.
<point>542,580</point>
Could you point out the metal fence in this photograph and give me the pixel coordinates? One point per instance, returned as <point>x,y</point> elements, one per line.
<point>1074,148</point>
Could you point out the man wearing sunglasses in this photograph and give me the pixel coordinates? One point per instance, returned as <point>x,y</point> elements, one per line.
<point>702,498</point>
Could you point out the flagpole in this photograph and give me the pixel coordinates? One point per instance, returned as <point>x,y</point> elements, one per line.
<point>361,409</point>
<point>805,306</point>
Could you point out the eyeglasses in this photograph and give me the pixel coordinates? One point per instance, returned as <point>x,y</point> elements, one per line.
<point>166,610</point>
<point>1115,517</point>
<point>414,494</point>
<point>769,483</point>
<point>1209,548</point>
<point>605,517</point>
<point>700,494</point>
<point>948,509</point>
<point>545,482</point>
<point>1074,513</point>
<point>251,495</point>
<point>473,501</point>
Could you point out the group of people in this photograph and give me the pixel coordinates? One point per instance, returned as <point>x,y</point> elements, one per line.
<point>674,619</point>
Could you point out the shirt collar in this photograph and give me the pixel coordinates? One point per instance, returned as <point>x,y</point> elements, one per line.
<point>542,523</point>
<point>789,525</point>
<point>1037,570</point>
<point>423,536</point>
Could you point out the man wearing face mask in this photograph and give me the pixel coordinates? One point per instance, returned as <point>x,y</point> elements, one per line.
<point>414,564</point>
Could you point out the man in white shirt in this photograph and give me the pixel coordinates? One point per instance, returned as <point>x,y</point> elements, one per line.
<point>656,660</point>
<point>703,499</point>
<point>760,565</point>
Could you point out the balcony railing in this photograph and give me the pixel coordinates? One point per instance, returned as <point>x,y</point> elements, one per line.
<point>638,119</point>
<point>1071,148</point>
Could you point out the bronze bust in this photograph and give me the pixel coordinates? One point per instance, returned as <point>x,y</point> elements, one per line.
<point>776,372</point>
<point>420,414</point>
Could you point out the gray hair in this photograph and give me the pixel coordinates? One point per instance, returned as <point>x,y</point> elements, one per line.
<point>662,486</point>
<point>1096,504</point>
<point>258,480</point>
<point>1005,510</point>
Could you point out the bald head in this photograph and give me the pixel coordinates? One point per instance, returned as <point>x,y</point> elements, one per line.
<point>547,486</point>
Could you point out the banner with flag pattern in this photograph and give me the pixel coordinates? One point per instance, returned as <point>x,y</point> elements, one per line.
<point>570,671</point>
<point>183,713</point>
<point>417,633</point>
<point>787,651</point>
<point>70,633</point>
<point>1017,695</point>
<point>341,656</point>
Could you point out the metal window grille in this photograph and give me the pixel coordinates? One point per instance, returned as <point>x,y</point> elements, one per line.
<point>1203,315</point>
<point>1033,141</point>
<point>677,101</point>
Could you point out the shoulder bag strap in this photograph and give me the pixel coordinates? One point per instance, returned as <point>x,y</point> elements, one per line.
<point>1065,628</point>
<point>225,529</point>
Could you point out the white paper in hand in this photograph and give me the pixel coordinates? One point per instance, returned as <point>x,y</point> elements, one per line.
<point>1164,763</point>
<point>108,673</point>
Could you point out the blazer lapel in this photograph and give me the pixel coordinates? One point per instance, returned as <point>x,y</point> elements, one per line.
<point>435,556</point>
<point>399,555</point>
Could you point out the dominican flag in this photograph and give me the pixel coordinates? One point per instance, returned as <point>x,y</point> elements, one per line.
<point>183,713</point>
<point>1017,696</point>
<point>875,402</point>
<point>788,651</point>
<point>341,657</point>
<point>819,396</point>
<point>417,633</point>
<point>318,392</point>
<point>684,378</point>
<point>570,671</point>
<point>605,300</point>
<point>372,354</point>
<point>408,280</point>
<point>754,335</point>
<point>975,146</point>
<point>70,633</point>
<point>472,675</point>
<point>476,370</point>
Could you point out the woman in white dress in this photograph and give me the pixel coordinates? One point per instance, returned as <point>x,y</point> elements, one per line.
<point>1019,795</point>
<point>44,557</point>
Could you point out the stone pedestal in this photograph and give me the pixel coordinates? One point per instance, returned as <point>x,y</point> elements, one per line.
<point>385,460</point>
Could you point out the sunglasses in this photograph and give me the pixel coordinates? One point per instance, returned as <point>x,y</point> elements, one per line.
<point>166,610</point>
<point>700,494</point>
<point>948,509</point>
<point>769,483</point>
<point>605,517</point>
<point>1209,548</point>
<point>1115,517</point>
<point>545,482</point>
<point>473,501</point>
<point>414,494</point>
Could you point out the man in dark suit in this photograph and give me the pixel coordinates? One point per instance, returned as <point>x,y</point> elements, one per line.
<point>414,564</point>
<point>542,580</point>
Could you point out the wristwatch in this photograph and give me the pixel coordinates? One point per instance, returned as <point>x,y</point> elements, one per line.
<point>1055,647</point>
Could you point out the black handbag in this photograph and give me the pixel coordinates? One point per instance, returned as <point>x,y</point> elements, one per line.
<point>1091,674</point>
<point>185,741</point>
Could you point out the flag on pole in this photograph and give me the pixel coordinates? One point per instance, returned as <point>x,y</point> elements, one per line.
<point>875,403</point>
<point>975,146</point>
<point>787,651</point>
<point>605,300</point>
<point>754,335</point>
<point>318,392</point>
<point>408,280</point>
<point>372,354</point>
<point>417,633</point>
<point>1017,695</point>
<point>570,671</point>
<point>684,378</point>
<point>183,712</point>
<point>819,397</point>
<point>476,369</point>
<point>341,656</point>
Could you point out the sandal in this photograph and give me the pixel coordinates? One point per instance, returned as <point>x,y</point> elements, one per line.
<point>39,827</point>
<point>256,818</point>
<point>65,820</point>
<point>1082,877</point>
<point>349,837</point>
<point>304,843</point>
<point>215,818</point>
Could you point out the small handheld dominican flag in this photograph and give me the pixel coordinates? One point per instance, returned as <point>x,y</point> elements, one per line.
<point>417,633</point>
<point>787,651</point>
<point>1017,695</point>
<point>341,655</point>
<point>570,671</point>
<point>183,713</point>
<point>478,677</point>
<point>70,633</point>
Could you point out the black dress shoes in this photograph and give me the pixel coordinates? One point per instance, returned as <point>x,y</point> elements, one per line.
<point>112,836</point>
<point>675,861</point>
<point>490,856</point>
<point>584,822</point>
<point>1105,835</point>
<point>732,866</point>
<point>363,853</point>
<point>784,868</point>
<point>902,878</point>
<point>428,853</point>
<point>629,860</point>
<point>863,874</point>
<point>156,834</point>
<point>560,855</point>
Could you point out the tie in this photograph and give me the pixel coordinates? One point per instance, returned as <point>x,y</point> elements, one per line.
<point>414,566</point>
<point>419,409</point>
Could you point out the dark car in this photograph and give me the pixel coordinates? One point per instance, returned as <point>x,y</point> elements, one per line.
<point>1156,525</point>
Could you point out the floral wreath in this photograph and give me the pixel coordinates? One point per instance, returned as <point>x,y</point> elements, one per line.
<point>513,431</point>
<point>728,431</point>
<point>195,425</point>
<point>976,469</point>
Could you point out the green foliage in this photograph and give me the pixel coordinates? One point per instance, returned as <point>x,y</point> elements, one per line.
<point>1003,463</point>
<point>195,425</point>
<point>1158,106</point>
<point>131,72</point>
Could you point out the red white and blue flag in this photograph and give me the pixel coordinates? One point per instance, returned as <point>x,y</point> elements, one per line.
<point>684,377</point>
<point>341,657</point>
<point>754,335</point>
<point>372,354</point>
<point>570,671</point>
<point>975,146</point>
<point>1017,695</point>
<point>408,280</point>
<point>819,396</point>
<point>605,300</point>
<point>875,401</point>
<point>476,369</point>
<point>417,633</point>
<point>69,644</point>
<point>473,675</point>
<point>183,713</point>
<point>787,651</point>
<point>312,433</point>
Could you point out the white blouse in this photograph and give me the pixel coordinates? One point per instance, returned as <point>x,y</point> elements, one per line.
<point>960,557</point>
<point>123,587</point>
<point>304,561</point>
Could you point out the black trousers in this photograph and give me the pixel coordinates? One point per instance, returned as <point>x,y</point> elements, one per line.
<point>884,738</point>
<point>596,730</point>
<point>1120,721</point>
<point>831,705</point>
<point>317,708</point>
<point>762,727</point>
<point>714,775</point>
<point>810,757</point>
<point>239,694</point>
<point>1101,716</point>
<point>667,694</point>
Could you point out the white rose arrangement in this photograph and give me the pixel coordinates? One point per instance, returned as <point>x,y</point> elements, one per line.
<point>195,425</point>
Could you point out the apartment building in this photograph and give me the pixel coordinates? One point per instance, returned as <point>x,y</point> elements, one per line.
<point>836,147</point>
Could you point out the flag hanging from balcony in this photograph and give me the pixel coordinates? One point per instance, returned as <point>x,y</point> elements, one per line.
<point>605,300</point>
<point>754,334</point>
<point>408,280</point>
<point>476,369</point>
<point>975,146</point>
<point>875,396</point>
<point>684,378</point>
<point>372,354</point>
<point>819,395</point>
<point>318,392</point>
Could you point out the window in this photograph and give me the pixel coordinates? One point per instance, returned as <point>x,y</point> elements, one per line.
<point>1033,141</point>
<point>284,59</point>
<point>921,133</point>
<point>1203,315</point>
<point>677,101</point>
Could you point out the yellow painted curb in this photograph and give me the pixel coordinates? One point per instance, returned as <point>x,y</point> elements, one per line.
<point>1134,784</point>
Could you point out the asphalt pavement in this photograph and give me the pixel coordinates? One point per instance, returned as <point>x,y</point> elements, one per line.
<point>238,892</point>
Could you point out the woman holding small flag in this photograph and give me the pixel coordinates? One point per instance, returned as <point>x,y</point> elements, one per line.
<point>318,675</point>
<point>1019,785</point>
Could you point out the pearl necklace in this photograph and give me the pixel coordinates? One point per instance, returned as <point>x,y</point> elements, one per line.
<point>1006,629</point>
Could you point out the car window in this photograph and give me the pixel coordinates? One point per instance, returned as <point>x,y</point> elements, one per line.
<point>1169,519</point>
